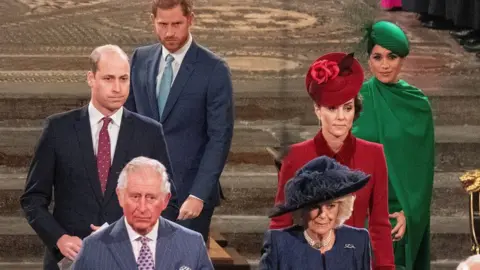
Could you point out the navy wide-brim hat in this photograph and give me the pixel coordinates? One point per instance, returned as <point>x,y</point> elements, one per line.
<point>319,181</point>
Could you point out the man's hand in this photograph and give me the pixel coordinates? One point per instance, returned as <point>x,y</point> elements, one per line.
<point>94,228</point>
<point>401,226</point>
<point>191,208</point>
<point>69,246</point>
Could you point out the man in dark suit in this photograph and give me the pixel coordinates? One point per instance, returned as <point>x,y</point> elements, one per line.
<point>80,154</point>
<point>188,89</point>
<point>142,240</point>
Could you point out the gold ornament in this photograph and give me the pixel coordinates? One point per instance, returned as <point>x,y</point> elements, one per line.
<point>471,181</point>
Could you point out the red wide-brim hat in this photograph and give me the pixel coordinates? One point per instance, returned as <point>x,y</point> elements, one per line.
<point>334,79</point>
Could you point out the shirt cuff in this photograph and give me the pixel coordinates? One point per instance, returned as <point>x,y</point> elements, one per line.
<point>195,197</point>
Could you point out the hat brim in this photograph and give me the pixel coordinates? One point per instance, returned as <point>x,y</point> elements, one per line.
<point>282,209</point>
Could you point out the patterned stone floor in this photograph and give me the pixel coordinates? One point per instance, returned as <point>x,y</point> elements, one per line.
<point>49,40</point>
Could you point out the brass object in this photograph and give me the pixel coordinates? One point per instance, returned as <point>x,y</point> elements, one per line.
<point>471,183</point>
<point>474,220</point>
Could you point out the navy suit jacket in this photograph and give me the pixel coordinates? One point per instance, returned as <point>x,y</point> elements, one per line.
<point>287,249</point>
<point>65,161</point>
<point>111,248</point>
<point>197,119</point>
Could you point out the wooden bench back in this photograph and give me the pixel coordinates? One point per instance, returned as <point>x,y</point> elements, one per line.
<point>217,253</point>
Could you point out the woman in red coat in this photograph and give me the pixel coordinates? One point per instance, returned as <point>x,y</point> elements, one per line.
<point>333,82</point>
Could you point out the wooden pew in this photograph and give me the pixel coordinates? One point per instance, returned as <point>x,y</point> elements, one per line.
<point>225,258</point>
<point>239,262</point>
<point>217,253</point>
<point>218,238</point>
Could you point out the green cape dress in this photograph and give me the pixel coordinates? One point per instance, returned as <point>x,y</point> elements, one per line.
<point>399,117</point>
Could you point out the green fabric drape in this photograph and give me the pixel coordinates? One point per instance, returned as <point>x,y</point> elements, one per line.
<point>399,117</point>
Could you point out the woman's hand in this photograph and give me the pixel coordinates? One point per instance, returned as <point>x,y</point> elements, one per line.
<point>401,226</point>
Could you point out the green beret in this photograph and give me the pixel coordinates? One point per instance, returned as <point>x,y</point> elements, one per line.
<point>389,36</point>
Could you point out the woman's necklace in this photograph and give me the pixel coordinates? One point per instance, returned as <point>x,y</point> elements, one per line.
<point>320,244</point>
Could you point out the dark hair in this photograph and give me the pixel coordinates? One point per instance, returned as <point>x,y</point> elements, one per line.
<point>187,6</point>
<point>357,104</point>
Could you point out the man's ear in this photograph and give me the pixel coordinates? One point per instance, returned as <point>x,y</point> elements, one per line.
<point>191,18</point>
<point>166,200</point>
<point>120,195</point>
<point>90,78</point>
<point>152,18</point>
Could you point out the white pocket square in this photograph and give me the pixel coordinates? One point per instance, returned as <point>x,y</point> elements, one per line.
<point>184,268</point>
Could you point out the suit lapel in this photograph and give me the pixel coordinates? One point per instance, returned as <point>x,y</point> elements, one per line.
<point>165,250</point>
<point>121,150</point>
<point>84,137</point>
<point>186,69</point>
<point>120,246</point>
<point>151,79</point>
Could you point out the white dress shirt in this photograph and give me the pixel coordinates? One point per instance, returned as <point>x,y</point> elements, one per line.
<point>178,57</point>
<point>135,240</point>
<point>96,124</point>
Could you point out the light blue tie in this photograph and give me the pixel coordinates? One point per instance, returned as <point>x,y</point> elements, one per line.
<point>164,85</point>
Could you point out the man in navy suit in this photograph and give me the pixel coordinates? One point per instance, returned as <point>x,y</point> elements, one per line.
<point>80,154</point>
<point>188,89</point>
<point>142,240</point>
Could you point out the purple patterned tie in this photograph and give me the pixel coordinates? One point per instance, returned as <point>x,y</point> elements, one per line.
<point>145,258</point>
<point>103,154</point>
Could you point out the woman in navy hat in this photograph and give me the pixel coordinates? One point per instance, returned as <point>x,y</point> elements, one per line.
<point>321,196</point>
<point>333,82</point>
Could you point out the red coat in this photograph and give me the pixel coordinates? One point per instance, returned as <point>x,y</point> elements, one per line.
<point>371,200</point>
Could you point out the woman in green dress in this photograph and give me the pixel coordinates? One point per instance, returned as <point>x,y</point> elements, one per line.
<point>398,115</point>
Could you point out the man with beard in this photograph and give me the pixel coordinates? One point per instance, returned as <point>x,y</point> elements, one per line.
<point>188,89</point>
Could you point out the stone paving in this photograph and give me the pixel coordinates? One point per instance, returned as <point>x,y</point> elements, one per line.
<point>49,40</point>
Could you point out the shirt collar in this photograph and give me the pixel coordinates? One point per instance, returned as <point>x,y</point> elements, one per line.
<point>133,235</point>
<point>180,53</point>
<point>96,116</point>
<point>344,156</point>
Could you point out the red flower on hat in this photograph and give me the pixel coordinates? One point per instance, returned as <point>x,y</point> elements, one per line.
<point>323,70</point>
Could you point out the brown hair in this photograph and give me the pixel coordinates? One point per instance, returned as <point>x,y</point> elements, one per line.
<point>187,6</point>
<point>357,104</point>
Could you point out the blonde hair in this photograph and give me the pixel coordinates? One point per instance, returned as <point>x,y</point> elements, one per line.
<point>345,209</point>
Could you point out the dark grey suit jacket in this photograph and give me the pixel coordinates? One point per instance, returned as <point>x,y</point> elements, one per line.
<point>64,161</point>
<point>177,248</point>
